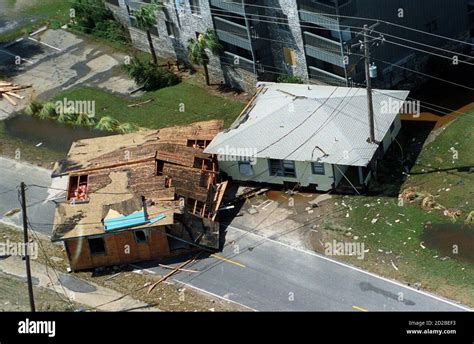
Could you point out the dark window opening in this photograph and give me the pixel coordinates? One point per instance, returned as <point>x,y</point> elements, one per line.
<point>77,190</point>
<point>140,237</point>
<point>282,168</point>
<point>196,207</point>
<point>198,143</point>
<point>203,164</point>
<point>318,168</point>
<point>96,246</point>
<point>159,167</point>
<point>195,7</point>
<point>171,29</point>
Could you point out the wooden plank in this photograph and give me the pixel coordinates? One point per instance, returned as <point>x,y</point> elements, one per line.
<point>189,261</point>
<point>10,100</point>
<point>15,95</point>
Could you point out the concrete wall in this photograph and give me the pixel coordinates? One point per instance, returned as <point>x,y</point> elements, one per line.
<point>286,36</point>
<point>171,47</point>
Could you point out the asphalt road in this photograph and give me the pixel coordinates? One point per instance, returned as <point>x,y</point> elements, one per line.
<point>39,201</point>
<point>270,276</point>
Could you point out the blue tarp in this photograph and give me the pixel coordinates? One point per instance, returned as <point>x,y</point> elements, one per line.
<point>132,220</point>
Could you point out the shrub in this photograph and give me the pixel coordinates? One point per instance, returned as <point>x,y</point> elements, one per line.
<point>48,111</point>
<point>93,17</point>
<point>125,128</point>
<point>150,76</point>
<point>83,120</point>
<point>107,123</point>
<point>33,108</point>
<point>290,79</point>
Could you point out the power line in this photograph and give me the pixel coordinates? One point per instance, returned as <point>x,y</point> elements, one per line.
<point>337,16</point>
<point>418,72</point>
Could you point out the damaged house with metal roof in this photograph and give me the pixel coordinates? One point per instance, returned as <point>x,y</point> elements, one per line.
<point>310,136</point>
<point>139,196</point>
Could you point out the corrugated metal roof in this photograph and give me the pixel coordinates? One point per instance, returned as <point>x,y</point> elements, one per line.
<point>310,123</point>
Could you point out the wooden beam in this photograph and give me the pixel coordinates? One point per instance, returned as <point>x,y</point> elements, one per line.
<point>10,100</point>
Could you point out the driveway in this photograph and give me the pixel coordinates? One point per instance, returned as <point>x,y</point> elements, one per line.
<point>40,201</point>
<point>57,60</point>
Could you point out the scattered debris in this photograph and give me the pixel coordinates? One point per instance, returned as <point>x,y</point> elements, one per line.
<point>469,218</point>
<point>9,91</point>
<point>12,212</point>
<point>141,103</point>
<point>394,266</point>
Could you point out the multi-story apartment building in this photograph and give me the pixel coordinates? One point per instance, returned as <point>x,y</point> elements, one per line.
<point>264,39</point>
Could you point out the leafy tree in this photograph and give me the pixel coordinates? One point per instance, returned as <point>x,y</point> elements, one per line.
<point>196,50</point>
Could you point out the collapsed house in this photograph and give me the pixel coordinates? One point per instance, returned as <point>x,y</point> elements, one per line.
<point>139,196</point>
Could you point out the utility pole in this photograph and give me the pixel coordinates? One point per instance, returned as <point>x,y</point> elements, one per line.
<point>26,243</point>
<point>365,45</point>
<point>370,105</point>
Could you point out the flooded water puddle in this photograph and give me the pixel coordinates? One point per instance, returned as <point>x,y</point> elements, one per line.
<point>452,240</point>
<point>47,133</point>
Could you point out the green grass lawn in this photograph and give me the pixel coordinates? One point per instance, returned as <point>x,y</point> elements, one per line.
<point>180,104</point>
<point>43,12</point>
<point>396,236</point>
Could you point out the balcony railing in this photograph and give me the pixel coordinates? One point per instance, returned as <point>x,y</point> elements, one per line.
<point>238,61</point>
<point>234,6</point>
<point>232,33</point>
<point>322,43</point>
<point>348,8</point>
<point>323,49</point>
<point>320,76</point>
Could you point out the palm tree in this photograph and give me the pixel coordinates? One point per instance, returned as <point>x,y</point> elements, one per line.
<point>146,19</point>
<point>107,123</point>
<point>196,50</point>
